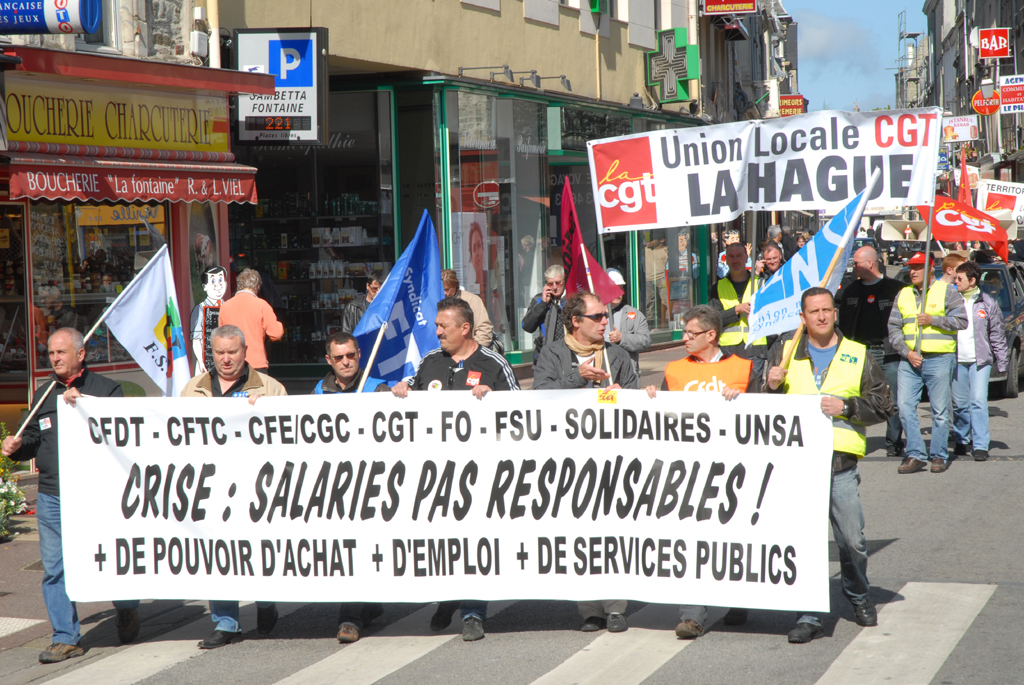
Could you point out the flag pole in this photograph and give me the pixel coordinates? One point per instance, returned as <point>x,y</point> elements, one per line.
<point>590,282</point>
<point>85,339</point>
<point>927,272</point>
<point>373,355</point>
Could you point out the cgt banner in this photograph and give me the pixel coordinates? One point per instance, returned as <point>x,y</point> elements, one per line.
<point>571,495</point>
<point>816,161</point>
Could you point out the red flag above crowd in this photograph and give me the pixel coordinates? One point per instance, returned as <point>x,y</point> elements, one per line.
<point>955,221</point>
<point>582,271</point>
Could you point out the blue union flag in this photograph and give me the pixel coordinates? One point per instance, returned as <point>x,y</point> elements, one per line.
<point>408,303</point>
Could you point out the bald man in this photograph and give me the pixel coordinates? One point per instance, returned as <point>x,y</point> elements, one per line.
<point>864,308</point>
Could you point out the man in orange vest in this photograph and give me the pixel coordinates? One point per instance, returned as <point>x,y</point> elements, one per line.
<point>707,369</point>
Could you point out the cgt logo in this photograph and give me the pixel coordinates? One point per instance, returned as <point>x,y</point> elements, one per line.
<point>625,189</point>
<point>713,385</point>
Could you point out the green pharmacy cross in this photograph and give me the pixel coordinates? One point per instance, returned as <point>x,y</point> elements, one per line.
<point>672,65</point>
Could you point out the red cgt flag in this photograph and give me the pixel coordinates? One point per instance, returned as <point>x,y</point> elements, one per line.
<point>955,221</point>
<point>582,272</point>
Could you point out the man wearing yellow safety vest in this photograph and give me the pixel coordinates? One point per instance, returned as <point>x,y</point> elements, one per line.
<point>854,393</point>
<point>927,345</point>
<point>734,293</point>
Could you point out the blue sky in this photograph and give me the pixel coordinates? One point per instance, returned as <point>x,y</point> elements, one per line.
<point>848,50</point>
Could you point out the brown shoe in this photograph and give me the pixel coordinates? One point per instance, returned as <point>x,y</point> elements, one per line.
<point>127,625</point>
<point>58,652</point>
<point>689,629</point>
<point>348,633</point>
<point>939,466</point>
<point>912,465</point>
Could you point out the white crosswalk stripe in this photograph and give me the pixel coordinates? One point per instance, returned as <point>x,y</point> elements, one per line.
<point>913,637</point>
<point>135,663</point>
<point>10,626</point>
<point>629,657</point>
<point>918,631</point>
<point>398,645</point>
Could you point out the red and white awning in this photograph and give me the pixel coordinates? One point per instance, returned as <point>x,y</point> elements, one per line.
<point>70,177</point>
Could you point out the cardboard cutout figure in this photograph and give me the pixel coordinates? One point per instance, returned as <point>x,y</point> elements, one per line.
<point>206,315</point>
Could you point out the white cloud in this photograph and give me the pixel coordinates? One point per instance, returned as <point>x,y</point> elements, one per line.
<point>836,44</point>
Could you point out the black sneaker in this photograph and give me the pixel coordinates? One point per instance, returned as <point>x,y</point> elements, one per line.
<point>592,624</point>
<point>58,652</point>
<point>894,450</point>
<point>617,623</point>
<point>266,619</point>
<point>980,455</point>
<point>960,450</point>
<point>442,618</point>
<point>127,625</point>
<point>865,613</point>
<point>472,629</point>
<point>805,632</point>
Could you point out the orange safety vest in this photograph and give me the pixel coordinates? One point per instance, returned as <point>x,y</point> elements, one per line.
<point>687,375</point>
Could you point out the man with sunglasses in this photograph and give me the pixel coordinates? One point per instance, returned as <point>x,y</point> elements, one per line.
<point>344,377</point>
<point>580,360</point>
<point>707,368</point>
<point>460,364</point>
<point>545,313</point>
<point>355,309</point>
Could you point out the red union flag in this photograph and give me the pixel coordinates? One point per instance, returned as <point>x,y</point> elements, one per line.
<point>955,221</point>
<point>625,182</point>
<point>997,201</point>
<point>995,43</point>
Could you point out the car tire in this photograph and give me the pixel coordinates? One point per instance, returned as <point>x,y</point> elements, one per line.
<point>1011,388</point>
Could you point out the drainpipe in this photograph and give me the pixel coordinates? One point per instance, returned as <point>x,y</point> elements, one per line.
<point>213,19</point>
<point>693,38</point>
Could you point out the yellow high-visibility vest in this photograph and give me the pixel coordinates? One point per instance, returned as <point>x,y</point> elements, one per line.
<point>933,338</point>
<point>736,332</point>
<point>841,380</point>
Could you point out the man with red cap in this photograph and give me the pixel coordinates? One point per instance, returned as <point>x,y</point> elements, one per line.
<point>926,343</point>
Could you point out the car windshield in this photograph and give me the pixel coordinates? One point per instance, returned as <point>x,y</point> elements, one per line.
<point>994,283</point>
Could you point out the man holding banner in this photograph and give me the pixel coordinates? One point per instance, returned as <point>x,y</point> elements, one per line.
<point>854,393</point>
<point>72,379</point>
<point>927,344</point>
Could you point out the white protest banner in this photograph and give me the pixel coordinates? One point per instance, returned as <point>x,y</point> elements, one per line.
<point>810,162</point>
<point>1002,199</point>
<point>569,495</point>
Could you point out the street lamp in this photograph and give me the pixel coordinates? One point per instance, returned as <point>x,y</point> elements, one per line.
<point>563,78</point>
<point>532,78</point>
<point>504,70</point>
<point>987,87</point>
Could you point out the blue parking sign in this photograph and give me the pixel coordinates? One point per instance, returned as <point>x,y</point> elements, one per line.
<point>291,63</point>
<point>943,159</point>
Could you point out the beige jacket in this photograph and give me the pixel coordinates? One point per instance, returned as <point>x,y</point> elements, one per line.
<point>482,330</point>
<point>258,385</point>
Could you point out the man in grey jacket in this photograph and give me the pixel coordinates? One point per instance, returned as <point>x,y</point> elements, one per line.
<point>628,327</point>
<point>545,313</point>
<point>578,361</point>
<point>978,346</point>
<point>355,309</point>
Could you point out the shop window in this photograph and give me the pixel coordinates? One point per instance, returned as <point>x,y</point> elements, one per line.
<point>323,225</point>
<point>500,205</point>
<point>15,317</point>
<point>668,271</point>
<point>82,256</point>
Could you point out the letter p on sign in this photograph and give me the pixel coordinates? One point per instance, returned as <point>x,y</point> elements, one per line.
<point>291,62</point>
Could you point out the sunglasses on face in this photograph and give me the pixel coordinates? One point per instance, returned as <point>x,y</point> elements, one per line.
<point>351,356</point>
<point>595,317</point>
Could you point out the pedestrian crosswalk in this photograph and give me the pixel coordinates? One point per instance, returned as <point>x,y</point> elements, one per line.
<point>919,628</point>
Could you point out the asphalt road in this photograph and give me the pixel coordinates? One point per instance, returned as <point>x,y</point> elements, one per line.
<point>945,568</point>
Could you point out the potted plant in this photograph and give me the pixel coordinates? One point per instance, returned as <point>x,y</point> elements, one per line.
<point>12,499</point>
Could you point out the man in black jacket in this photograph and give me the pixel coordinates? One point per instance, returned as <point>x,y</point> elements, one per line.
<point>39,441</point>
<point>355,309</point>
<point>545,313</point>
<point>460,364</point>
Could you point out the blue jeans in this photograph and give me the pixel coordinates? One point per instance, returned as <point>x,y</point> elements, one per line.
<point>62,611</point>
<point>225,614</point>
<point>473,607</point>
<point>936,373</point>
<point>970,405</point>
<point>847,518</point>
